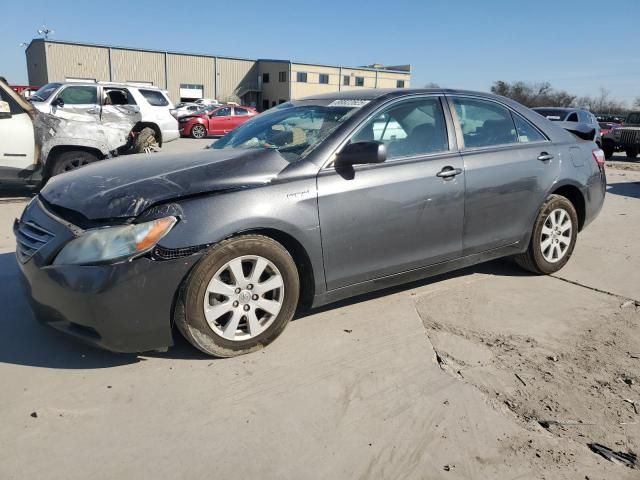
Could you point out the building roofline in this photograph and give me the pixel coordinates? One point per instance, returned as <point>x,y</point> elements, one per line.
<point>208,55</point>
<point>135,49</point>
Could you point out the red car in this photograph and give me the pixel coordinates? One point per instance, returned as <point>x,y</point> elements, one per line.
<point>217,121</point>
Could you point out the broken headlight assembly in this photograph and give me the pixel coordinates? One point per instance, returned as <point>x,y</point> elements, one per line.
<point>111,244</point>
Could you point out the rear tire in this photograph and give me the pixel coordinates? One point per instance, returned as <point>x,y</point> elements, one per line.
<point>145,141</point>
<point>551,244</point>
<point>631,152</point>
<point>237,320</point>
<point>72,160</point>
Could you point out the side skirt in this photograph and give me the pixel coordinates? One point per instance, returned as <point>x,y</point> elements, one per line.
<point>416,274</point>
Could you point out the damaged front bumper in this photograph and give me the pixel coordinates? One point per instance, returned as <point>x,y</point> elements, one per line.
<point>124,307</point>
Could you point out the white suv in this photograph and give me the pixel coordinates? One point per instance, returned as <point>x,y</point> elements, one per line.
<point>74,100</point>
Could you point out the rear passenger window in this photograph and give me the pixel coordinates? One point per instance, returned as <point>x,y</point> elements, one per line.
<point>155,98</point>
<point>410,128</point>
<point>526,132</point>
<point>241,111</point>
<point>79,95</point>
<point>484,124</point>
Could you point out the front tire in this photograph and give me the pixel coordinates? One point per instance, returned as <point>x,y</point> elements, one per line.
<point>198,131</point>
<point>553,239</point>
<point>631,152</point>
<point>240,296</point>
<point>608,151</point>
<point>67,161</point>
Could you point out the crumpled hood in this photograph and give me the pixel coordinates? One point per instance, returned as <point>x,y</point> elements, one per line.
<point>126,186</point>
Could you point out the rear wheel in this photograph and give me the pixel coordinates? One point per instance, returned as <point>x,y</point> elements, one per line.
<point>67,161</point>
<point>198,131</point>
<point>240,297</point>
<point>145,141</point>
<point>631,152</point>
<point>553,239</point>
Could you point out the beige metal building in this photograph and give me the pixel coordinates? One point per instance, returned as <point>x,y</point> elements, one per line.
<point>263,83</point>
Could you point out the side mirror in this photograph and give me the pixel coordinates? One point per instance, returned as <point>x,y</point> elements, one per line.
<point>5,110</point>
<point>361,153</point>
<point>58,102</point>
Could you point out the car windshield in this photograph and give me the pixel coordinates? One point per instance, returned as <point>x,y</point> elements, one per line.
<point>293,130</point>
<point>551,114</point>
<point>45,92</point>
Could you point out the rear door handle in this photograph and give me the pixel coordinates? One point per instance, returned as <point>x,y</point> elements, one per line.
<point>544,156</point>
<point>449,172</point>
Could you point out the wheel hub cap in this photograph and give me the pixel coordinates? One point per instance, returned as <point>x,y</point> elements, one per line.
<point>244,297</point>
<point>556,235</point>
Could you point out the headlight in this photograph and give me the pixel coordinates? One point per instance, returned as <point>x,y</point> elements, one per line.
<point>183,120</point>
<point>114,243</point>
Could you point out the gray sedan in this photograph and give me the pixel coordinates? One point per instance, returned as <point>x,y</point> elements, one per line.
<point>313,201</point>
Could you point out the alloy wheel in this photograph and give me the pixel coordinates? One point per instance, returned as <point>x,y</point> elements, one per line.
<point>243,298</point>
<point>198,131</point>
<point>555,238</point>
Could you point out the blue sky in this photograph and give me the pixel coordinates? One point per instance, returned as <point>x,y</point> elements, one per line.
<point>460,44</point>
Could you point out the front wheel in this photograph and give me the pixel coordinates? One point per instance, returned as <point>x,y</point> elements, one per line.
<point>198,131</point>
<point>240,297</point>
<point>631,152</point>
<point>553,239</point>
<point>67,161</point>
<point>608,151</point>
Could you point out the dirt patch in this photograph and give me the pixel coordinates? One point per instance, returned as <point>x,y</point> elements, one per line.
<point>580,382</point>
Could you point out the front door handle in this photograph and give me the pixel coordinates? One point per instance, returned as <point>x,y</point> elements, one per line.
<point>449,172</point>
<point>544,156</point>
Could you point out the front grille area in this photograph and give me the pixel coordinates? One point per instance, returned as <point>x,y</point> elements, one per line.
<point>31,238</point>
<point>161,253</point>
<point>629,136</point>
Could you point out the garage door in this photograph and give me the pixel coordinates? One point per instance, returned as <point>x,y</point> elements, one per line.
<point>191,92</point>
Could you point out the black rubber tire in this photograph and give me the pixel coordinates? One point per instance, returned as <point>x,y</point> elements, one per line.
<point>72,160</point>
<point>146,138</point>
<point>199,126</point>
<point>189,315</point>
<point>631,152</point>
<point>608,151</point>
<point>533,260</point>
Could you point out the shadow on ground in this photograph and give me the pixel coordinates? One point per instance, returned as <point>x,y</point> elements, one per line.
<point>624,189</point>
<point>23,341</point>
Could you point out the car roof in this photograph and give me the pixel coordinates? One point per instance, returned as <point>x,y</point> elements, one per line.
<point>376,93</point>
<point>111,84</point>
<point>556,109</point>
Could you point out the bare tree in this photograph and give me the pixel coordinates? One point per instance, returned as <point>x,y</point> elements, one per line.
<point>432,85</point>
<point>539,94</point>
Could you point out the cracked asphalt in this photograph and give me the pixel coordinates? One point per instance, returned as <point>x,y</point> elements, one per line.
<point>354,390</point>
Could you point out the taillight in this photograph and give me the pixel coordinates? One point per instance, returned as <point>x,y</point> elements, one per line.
<point>598,156</point>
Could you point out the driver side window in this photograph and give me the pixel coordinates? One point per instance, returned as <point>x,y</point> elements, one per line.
<point>407,129</point>
<point>223,112</point>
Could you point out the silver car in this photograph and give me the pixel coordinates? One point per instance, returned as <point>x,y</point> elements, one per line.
<point>106,102</point>
<point>311,202</point>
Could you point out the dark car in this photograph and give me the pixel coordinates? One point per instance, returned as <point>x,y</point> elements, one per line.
<point>313,201</point>
<point>624,138</point>
<point>216,120</point>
